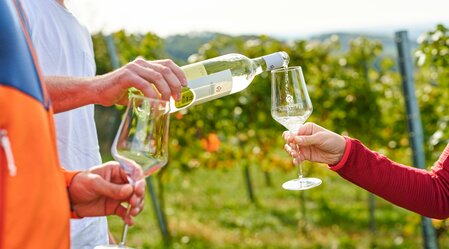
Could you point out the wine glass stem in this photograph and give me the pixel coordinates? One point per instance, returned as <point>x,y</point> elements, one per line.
<point>299,163</point>
<point>125,227</point>
<point>125,230</point>
<point>299,171</point>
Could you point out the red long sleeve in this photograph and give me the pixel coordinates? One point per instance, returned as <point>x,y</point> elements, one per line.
<point>421,191</point>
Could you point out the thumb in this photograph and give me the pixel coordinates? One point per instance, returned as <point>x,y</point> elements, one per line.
<point>306,140</point>
<point>309,128</point>
<point>119,192</point>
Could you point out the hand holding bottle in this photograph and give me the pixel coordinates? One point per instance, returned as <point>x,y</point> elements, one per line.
<point>315,143</point>
<point>155,79</point>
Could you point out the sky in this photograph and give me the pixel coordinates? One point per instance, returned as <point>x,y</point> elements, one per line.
<point>289,18</point>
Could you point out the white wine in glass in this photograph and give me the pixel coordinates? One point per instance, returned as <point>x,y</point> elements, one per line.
<point>291,106</point>
<point>141,142</point>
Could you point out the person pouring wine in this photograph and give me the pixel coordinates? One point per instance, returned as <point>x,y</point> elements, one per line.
<point>66,57</point>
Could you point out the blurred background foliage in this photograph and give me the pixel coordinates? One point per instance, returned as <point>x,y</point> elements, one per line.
<point>356,91</point>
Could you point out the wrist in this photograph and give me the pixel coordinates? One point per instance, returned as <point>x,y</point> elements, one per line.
<point>344,156</point>
<point>92,91</point>
<point>103,89</point>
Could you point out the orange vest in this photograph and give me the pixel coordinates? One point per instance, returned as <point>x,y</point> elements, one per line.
<point>34,205</point>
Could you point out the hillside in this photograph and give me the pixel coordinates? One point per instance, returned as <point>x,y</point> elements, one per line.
<point>180,47</point>
<point>345,38</point>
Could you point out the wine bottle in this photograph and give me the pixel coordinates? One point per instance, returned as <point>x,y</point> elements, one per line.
<point>222,76</point>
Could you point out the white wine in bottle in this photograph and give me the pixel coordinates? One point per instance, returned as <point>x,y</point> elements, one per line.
<point>222,76</point>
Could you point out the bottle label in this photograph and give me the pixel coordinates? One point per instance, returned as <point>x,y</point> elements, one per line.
<point>211,86</point>
<point>187,98</point>
<point>273,61</point>
<point>194,71</point>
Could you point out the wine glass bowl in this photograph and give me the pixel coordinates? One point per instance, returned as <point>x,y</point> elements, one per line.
<point>291,106</point>
<point>141,142</point>
<point>142,138</point>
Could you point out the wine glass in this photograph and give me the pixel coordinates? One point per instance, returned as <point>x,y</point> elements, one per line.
<point>291,106</point>
<point>141,142</point>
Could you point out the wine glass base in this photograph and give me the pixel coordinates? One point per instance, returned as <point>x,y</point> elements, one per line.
<point>112,246</point>
<point>301,183</point>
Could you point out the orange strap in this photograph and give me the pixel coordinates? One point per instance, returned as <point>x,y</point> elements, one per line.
<point>68,175</point>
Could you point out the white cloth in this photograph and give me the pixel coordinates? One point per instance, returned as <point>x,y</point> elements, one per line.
<point>64,48</point>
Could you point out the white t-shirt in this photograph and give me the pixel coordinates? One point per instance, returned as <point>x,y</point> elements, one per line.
<point>64,48</point>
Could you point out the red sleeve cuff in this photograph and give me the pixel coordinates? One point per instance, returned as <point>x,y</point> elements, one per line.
<point>343,161</point>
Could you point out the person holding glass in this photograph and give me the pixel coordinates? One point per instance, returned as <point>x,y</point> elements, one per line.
<point>418,190</point>
<point>37,197</point>
<point>66,58</point>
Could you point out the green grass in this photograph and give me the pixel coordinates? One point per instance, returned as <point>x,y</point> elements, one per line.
<point>208,208</point>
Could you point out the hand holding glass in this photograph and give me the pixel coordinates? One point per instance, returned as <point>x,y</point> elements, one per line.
<point>141,142</point>
<point>291,106</point>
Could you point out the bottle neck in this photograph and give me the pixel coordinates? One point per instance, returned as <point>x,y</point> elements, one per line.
<point>259,65</point>
<point>270,62</point>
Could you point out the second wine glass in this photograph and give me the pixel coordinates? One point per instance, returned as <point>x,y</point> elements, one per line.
<point>291,106</point>
<point>141,142</point>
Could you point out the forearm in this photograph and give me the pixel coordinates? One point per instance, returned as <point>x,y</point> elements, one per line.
<point>68,93</point>
<point>426,193</point>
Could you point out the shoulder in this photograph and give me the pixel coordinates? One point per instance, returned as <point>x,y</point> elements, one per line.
<point>36,11</point>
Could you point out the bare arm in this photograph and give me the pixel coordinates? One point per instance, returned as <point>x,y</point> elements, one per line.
<point>68,93</point>
<point>155,79</point>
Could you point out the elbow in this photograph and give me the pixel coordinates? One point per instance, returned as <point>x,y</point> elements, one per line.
<point>438,215</point>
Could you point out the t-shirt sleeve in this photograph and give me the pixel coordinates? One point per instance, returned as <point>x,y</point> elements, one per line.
<point>418,190</point>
